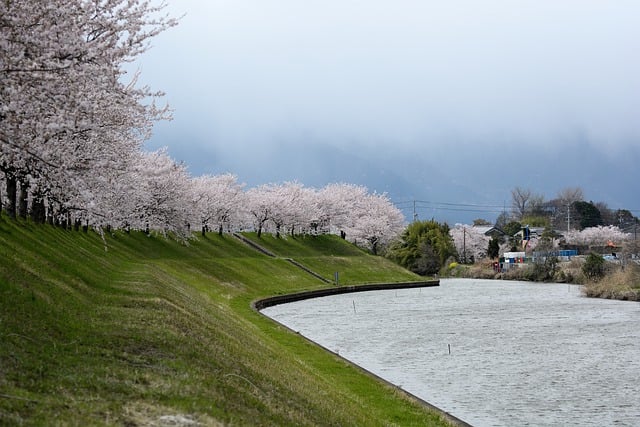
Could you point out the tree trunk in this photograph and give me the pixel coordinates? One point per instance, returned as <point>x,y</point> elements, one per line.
<point>23,201</point>
<point>12,190</point>
<point>220,230</point>
<point>38,213</point>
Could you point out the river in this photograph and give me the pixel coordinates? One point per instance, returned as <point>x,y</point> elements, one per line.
<point>492,353</point>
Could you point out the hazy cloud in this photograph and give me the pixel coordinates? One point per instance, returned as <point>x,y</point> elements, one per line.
<point>400,75</point>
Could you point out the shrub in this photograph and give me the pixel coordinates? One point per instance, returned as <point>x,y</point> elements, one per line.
<point>594,268</point>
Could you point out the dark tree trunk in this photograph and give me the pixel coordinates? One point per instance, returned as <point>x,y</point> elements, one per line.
<point>12,190</point>
<point>38,213</point>
<point>23,201</point>
<point>53,215</point>
<point>220,230</point>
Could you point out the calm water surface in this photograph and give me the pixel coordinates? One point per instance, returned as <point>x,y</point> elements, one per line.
<point>493,353</point>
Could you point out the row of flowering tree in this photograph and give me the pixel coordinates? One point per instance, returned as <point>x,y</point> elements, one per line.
<point>73,123</point>
<point>156,193</point>
<point>369,219</point>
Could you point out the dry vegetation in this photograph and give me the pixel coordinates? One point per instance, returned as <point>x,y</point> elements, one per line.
<point>619,281</point>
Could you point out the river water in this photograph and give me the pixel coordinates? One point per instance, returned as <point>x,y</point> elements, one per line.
<point>492,353</point>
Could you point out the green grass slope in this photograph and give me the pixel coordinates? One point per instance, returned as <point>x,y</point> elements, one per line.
<point>330,254</point>
<point>137,330</point>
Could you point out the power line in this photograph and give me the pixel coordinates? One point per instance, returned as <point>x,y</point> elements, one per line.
<point>449,206</point>
<point>463,207</point>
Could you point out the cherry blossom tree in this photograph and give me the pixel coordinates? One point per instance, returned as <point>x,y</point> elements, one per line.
<point>161,200</point>
<point>337,203</point>
<point>259,203</point>
<point>306,213</point>
<point>66,113</point>
<point>376,221</point>
<point>470,242</point>
<point>216,200</point>
<point>597,236</point>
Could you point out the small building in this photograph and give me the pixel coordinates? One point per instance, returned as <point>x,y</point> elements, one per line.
<point>490,230</point>
<point>511,260</point>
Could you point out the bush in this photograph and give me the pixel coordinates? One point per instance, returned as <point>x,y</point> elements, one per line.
<point>594,267</point>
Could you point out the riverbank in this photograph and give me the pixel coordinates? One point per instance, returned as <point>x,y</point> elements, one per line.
<point>619,281</point>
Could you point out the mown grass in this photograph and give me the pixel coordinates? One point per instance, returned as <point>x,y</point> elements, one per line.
<point>131,328</point>
<point>330,254</point>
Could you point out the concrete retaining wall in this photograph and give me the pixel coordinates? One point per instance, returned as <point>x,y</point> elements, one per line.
<point>283,299</point>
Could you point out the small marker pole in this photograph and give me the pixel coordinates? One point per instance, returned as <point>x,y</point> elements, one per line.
<point>354,307</point>
<point>449,345</point>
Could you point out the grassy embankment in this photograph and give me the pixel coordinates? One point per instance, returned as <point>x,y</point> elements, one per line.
<point>140,330</point>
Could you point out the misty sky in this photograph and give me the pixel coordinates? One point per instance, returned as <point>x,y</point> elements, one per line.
<point>257,85</point>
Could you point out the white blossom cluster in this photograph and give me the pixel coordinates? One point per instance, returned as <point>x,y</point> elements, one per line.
<point>369,219</point>
<point>597,236</point>
<point>470,242</point>
<point>72,125</point>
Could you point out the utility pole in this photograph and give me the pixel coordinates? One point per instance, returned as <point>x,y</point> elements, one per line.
<point>415,214</point>
<point>464,245</point>
<point>568,217</point>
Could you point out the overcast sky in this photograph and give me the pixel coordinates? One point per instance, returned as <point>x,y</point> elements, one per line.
<point>401,77</point>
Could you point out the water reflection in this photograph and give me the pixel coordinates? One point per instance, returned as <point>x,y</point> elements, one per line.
<point>493,353</point>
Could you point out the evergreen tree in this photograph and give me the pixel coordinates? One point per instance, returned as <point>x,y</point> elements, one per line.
<point>423,247</point>
<point>494,248</point>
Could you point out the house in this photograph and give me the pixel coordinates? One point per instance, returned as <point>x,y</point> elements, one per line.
<point>489,230</point>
